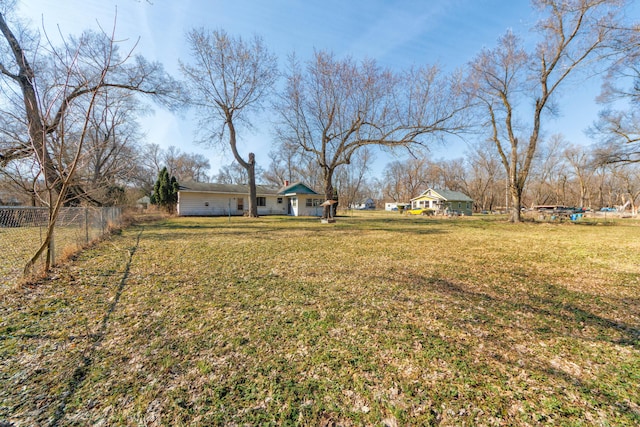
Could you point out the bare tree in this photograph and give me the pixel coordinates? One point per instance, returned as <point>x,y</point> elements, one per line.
<point>306,169</point>
<point>43,107</point>
<point>452,174</point>
<point>629,178</point>
<point>351,179</point>
<point>57,103</point>
<point>392,185</point>
<point>285,164</point>
<point>110,152</point>
<point>603,184</point>
<point>290,164</point>
<point>618,128</point>
<point>280,169</point>
<point>229,78</point>
<point>147,164</point>
<point>572,33</point>
<point>486,177</point>
<point>231,174</point>
<point>332,108</point>
<point>618,134</point>
<point>582,163</point>
<point>404,180</point>
<point>193,167</point>
<point>170,157</point>
<point>153,153</point>
<point>185,166</point>
<point>548,173</point>
<point>22,175</point>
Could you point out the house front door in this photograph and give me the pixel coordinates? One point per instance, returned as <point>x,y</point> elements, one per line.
<point>293,206</point>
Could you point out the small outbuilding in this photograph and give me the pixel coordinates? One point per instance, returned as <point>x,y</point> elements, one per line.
<point>301,200</point>
<point>143,202</point>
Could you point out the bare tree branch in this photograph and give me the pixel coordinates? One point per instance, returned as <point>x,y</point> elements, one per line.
<point>334,108</point>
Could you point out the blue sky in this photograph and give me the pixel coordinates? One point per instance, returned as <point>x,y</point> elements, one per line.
<point>396,33</point>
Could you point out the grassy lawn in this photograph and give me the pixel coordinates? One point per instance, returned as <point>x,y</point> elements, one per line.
<point>375,320</point>
<point>19,244</point>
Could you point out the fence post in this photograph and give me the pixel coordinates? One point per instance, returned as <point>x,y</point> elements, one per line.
<point>52,246</point>
<point>86,225</point>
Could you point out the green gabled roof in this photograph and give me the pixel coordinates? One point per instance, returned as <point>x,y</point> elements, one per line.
<point>447,195</point>
<point>450,196</point>
<point>296,188</point>
<point>425,197</point>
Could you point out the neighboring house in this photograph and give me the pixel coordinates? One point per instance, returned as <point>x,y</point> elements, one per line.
<point>204,199</point>
<point>143,202</point>
<point>444,202</point>
<point>394,206</point>
<point>368,203</point>
<point>11,198</point>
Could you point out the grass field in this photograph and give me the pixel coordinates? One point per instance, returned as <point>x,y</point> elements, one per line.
<point>19,244</point>
<point>375,320</point>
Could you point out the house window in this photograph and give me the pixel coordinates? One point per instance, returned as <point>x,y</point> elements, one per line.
<point>459,205</point>
<point>317,202</point>
<point>261,201</point>
<point>240,204</point>
<point>279,200</point>
<point>294,202</point>
<point>309,203</point>
<point>468,205</point>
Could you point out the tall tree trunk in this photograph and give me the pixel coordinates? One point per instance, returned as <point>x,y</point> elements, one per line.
<point>37,127</point>
<point>328,193</point>
<point>583,191</point>
<point>250,167</point>
<point>516,200</point>
<point>253,197</point>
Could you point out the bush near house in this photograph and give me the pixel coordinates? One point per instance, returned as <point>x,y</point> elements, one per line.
<point>165,191</point>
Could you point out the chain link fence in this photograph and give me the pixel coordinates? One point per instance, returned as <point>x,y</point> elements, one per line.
<point>24,229</point>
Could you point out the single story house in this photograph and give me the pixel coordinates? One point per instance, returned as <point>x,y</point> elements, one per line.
<point>444,202</point>
<point>143,202</point>
<point>367,203</point>
<point>9,199</point>
<point>206,199</point>
<point>394,206</point>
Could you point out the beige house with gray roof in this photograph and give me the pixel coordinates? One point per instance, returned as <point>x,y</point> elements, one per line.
<point>444,202</point>
<point>205,199</point>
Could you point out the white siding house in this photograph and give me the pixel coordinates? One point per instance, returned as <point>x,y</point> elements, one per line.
<point>393,206</point>
<point>302,200</point>
<point>367,203</point>
<point>202,199</point>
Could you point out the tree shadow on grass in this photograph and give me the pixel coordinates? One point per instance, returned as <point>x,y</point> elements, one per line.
<point>261,228</point>
<point>562,307</point>
<point>604,394</point>
<point>81,371</point>
<point>554,302</point>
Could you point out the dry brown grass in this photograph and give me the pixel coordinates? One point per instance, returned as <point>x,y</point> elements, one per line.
<point>374,320</point>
